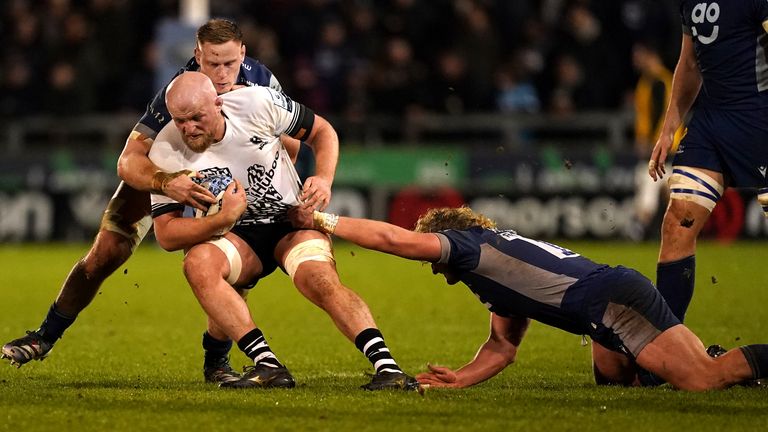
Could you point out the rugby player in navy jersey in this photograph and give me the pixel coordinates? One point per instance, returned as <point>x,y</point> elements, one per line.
<point>521,279</point>
<point>220,54</point>
<point>722,78</point>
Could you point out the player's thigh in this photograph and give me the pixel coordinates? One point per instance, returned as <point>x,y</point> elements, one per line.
<point>229,258</point>
<point>678,356</point>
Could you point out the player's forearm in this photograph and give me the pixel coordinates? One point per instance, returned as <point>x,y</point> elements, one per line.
<point>183,233</point>
<point>134,166</point>
<point>685,88</point>
<point>488,362</point>
<point>385,237</point>
<point>686,83</point>
<point>138,172</point>
<point>370,234</point>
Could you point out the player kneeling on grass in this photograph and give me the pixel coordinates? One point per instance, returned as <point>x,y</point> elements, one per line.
<point>520,279</point>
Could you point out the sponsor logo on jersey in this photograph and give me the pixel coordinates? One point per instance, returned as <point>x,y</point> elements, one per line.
<point>705,15</point>
<point>264,201</point>
<point>281,100</point>
<point>762,170</point>
<point>215,172</point>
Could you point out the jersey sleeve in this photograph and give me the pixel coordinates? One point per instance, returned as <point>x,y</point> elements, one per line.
<point>286,116</point>
<point>459,249</point>
<point>156,115</point>
<point>686,26</point>
<point>274,84</point>
<point>255,73</point>
<point>160,208</point>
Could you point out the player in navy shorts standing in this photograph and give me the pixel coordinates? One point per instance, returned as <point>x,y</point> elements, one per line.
<point>722,78</point>
<point>220,54</point>
<point>519,279</point>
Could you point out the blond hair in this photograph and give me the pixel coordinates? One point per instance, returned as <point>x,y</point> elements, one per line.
<point>218,31</point>
<point>438,219</point>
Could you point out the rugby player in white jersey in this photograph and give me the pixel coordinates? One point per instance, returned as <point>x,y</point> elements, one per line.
<point>237,134</point>
<point>220,54</point>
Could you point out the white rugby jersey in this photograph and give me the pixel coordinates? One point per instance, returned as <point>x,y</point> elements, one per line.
<point>250,151</point>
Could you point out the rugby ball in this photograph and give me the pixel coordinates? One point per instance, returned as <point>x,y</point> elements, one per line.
<point>216,184</point>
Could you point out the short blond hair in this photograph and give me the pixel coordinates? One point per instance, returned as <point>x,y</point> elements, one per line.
<point>457,218</point>
<point>218,31</point>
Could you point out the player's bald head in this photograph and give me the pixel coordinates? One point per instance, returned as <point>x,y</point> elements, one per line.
<point>196,110</point>
<point>189,90</point>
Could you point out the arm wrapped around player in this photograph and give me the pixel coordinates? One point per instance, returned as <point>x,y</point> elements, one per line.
<point>174,232</point>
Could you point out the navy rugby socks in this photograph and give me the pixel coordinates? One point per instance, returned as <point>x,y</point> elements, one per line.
<point>757,358</point>
<point>371,343</point>
<point>54,325</point>
<point>675,281</point>
<point>215,349</point>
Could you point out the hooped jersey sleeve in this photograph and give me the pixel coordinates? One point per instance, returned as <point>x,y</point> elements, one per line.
<point>273,109</point>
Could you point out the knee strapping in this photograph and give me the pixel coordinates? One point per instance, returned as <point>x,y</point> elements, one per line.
<point>762,198</point>
<point>233,257</point>
<point>691,184</point>
<point>310,250</point>
<point>114,222</point>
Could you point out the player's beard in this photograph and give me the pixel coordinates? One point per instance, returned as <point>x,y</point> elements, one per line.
<point>199,143</point>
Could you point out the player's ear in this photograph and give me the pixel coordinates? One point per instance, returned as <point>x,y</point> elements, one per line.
<point>219,102</point>
<point>242,52</point>
<point>198,55</point>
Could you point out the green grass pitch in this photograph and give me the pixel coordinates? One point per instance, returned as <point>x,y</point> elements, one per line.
<point>133,359</point>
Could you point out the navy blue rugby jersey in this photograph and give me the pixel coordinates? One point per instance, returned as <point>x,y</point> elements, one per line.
<point>517,276</point>
<point>730,45</point>
<point>252,73</point>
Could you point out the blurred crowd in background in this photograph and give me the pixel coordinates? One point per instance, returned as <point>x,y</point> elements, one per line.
<point>346,57</point>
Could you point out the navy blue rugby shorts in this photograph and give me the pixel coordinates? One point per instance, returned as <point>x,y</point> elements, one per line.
<point>625,309</point>
<point>734,143</point>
